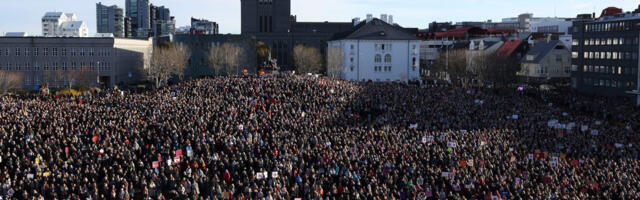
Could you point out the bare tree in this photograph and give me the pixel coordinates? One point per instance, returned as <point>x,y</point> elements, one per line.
<point>10,80</point>
<point>225,58</point>
<point>307,59</point>
<point>500,70</point>
<point>454,64</point>
<point>167,62</point>
<point>335,62</point>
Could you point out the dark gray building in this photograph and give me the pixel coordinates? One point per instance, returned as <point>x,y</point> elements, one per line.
<point>110,19</point>
<point>162,23</point>
<point>139,12</point>
<point>63,61</point>
<point>271,22</point>
<point>605,54</point>
<point>200,44</point>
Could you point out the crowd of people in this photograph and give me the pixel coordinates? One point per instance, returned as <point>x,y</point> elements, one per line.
<point>289,137</point>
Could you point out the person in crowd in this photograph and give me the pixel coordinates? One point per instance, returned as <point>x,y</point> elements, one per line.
<point>288,137</point>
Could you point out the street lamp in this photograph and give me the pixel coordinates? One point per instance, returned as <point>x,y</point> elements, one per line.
<point>98,78</point>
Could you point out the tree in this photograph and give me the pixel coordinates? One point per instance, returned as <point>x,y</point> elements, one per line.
<point>307,59</point>
<point>500,70</point>
<point>335,62</point>
<point>10,80</point>
<point>454,64</point>
<point>167,62</point>
<point>225,58</point>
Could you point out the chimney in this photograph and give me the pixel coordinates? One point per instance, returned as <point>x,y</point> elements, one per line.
<point>356,21</point>
<point>390,19</point>
<point>369,18</point>
<point>384,18</point>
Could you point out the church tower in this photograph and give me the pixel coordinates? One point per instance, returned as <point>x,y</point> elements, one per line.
<point>265,16</point>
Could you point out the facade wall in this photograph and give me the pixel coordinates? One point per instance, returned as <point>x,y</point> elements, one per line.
<point>556,64</point>
<point>366,59</point>
<point>616,72</point>
<point>59,61</point>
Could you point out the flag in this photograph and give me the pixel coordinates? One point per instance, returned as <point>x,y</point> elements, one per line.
<point>560,135</point>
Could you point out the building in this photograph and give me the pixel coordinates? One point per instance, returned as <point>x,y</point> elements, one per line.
<point>478,49</point>
<point>110,19</point>
<point>605,54</point>
<point>378,51</point>
<point>546,60</point>
<point>272,23</point>
<point>128,33</point>
<point>552,25</point>
<point>202,26</point>
<point>16,34</point>
<point>140,14</point>
<point>61,61</point>
<point>162,23</point>
<point>200,44</point>
<point>58,24</point>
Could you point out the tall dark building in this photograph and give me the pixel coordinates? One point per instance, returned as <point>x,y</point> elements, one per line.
<point>266,16</point>
<point>271,22</point>
<point>110,19</point>
<point>605,54</point>
<point>139,12</point>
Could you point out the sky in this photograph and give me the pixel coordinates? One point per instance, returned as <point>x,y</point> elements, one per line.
<point>25,15</point>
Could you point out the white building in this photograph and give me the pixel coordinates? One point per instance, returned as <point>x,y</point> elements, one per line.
<point>16,34</point>
<point>378,51</point>
<point>551,25</point>
<point>58,24</point>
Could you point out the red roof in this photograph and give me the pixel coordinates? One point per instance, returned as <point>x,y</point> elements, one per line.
<point>508,47</point>
<point>501,31</point>
<point>460,32</point>
<point>610,11</point>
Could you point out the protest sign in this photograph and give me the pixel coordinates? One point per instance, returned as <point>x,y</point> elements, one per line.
<point>451,144</point>
<point>259,176</point>
<point>413,126</point>
<point>274,174</point>
<point>155,164</point>
<point>424,139</point>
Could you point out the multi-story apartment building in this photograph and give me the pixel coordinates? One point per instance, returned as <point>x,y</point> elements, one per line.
<point>110,19</point>
<point>58,24</point>
<point>605,54</point>
<point>140,14</point>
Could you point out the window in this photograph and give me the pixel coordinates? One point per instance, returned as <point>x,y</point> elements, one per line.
<point>414,62</point>
<point>64,51</point>
<point>45,51</point>
<point>26,52</point>
<point>351,59</point>
<point>352,47</point>
<point>17,51</point>
<point>387,58</point>
<point>575,42</point>
<point>383,47</point>
<point>585,68</point>
<point>352,67</point>
<point>574,54</point>
<point>378,58</point>
<point>35,51</point>
<point>54,51</point>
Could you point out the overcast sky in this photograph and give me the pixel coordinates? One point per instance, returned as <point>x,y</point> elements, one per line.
<point>25,15</point>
